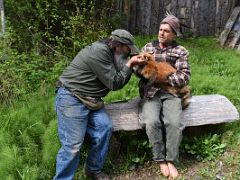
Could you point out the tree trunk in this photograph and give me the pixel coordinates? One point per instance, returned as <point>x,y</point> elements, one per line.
<point>2,17</point>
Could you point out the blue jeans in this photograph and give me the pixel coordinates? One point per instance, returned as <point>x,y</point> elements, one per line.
<point>74,121</point>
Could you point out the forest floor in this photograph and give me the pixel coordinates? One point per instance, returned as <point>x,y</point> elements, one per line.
<point>226,167</point>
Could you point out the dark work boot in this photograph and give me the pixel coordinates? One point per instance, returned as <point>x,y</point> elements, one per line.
<point>97,176</point>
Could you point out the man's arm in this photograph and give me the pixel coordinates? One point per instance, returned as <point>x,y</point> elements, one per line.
<point>183,73</point>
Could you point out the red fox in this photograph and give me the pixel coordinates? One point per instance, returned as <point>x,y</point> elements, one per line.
<point>156,73</point>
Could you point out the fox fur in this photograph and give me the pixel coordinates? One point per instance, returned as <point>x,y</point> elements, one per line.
<point>156,73</point>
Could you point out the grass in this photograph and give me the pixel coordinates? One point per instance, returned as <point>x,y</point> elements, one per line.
<point>28,128</point>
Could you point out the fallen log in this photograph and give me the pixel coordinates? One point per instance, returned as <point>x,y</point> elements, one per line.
<point>203,110</point>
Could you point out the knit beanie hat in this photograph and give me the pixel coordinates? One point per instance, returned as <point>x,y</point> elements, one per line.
<point>174,23</point>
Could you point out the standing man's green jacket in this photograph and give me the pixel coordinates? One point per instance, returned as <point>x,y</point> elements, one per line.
<point>96,70</point>
<point>92,72</point>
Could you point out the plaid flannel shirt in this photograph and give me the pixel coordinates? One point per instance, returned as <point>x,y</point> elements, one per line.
<point>177,56</point>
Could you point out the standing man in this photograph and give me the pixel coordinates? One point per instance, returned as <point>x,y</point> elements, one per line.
<point>97,69</point>
<point>160,111</point>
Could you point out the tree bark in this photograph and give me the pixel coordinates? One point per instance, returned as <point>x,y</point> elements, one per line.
<point>203,16</point>
<point>2,17</point>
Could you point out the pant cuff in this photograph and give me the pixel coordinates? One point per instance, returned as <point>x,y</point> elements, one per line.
<point>159,159</point>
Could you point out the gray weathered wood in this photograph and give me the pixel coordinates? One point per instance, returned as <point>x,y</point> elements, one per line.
<point>2,17</point>
<point>235,33</point>
<point>204,109</point>
<point>228,27</point>
<point>204,17</point>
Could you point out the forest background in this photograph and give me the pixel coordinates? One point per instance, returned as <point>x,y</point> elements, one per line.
<point>40,40</point>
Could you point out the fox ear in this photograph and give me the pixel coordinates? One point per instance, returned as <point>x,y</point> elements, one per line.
<point>147,56</point>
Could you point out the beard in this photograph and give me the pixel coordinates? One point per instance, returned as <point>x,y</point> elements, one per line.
<point>165,42</point>
<point>120,60</point>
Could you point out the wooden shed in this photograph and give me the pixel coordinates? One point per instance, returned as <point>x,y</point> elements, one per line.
<point>203,16</point>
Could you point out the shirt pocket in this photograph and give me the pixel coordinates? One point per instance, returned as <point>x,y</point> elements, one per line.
<point>172,58</point>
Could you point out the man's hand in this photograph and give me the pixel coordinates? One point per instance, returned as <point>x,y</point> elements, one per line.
<point>135,60</point>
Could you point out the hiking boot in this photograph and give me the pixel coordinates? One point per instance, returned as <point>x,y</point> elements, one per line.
<point>97,176</point>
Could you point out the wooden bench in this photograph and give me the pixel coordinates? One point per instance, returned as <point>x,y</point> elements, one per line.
<point>203,110</point>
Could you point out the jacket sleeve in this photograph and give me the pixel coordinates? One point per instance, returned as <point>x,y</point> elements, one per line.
<point>103,66</point>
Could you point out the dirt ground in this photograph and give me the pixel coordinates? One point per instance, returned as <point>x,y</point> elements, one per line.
<point>151,171</point>
<point>226,167</point>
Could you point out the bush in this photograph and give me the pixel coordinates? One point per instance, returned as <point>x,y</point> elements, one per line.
<point>57,26</point>
<point>204,148</point>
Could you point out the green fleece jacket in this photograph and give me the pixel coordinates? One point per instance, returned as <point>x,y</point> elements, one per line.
<point>93,72</point>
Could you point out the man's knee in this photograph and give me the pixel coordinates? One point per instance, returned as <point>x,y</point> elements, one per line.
<point>153,122</point>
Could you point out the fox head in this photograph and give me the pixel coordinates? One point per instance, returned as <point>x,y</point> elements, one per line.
<point>147,69</point>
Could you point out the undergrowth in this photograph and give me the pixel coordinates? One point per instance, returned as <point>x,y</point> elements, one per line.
<point>28,127</point>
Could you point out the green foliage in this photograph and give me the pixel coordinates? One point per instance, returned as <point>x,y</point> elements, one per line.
<point>204,148</point>
<point>65,25</point>
<point>43,36</point>
<point>143,149</point>
<point>214,69</point>
<point>28,127</point>
<point>49,150</point>
<point>232,134</point>
<point>23,73</point>
<point>139,145</point>
<point>134,151</point>
<point>23,126</point>
<point>20,73</point>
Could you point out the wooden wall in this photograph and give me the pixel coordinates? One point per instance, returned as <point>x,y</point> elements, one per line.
<point>205,17</point>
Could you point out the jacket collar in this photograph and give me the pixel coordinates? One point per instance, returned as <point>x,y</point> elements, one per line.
<point>155,44</point>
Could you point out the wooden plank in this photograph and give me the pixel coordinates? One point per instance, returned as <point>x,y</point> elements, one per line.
<point>133,16</point>
<point>228,27</point>
<point>236,33</point>
<point>204,17</point>
<point>155,17</point>
<point>204,109</point>
<point>2,18</point>
<point>209,109</point>
<point>144,17</point>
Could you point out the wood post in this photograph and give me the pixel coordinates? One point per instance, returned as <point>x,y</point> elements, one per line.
<point>229,25</point>
<point>2,17</point>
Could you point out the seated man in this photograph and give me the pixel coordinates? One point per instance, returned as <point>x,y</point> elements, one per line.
<point>160,110</point>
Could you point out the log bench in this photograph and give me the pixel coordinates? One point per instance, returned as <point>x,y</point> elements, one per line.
<point>203,110</point>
